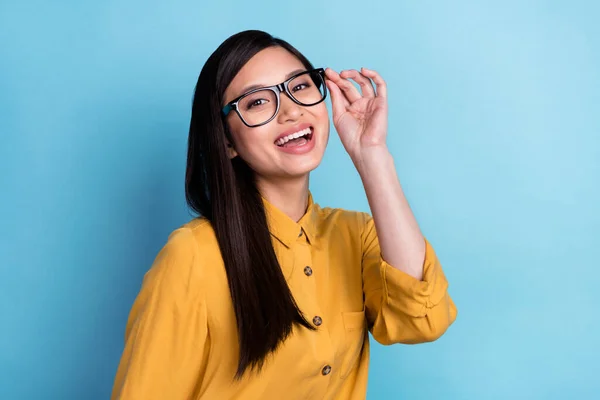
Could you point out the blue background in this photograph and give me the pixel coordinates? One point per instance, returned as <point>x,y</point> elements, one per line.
<point>494,125</point>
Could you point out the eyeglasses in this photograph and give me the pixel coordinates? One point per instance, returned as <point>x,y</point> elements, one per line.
<point>259,106</point>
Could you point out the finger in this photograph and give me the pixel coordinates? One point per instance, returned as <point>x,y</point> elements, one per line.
<point>379,82</point>
<point>365,83</point>
<point>349,90</point>
<point>338,101</point>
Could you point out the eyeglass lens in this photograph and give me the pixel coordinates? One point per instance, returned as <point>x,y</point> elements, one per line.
<point>260,106</point>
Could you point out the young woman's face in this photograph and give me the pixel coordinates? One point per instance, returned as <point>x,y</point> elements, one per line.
<point>261,147</point>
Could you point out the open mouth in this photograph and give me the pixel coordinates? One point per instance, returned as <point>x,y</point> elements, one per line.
<point>297,139</point>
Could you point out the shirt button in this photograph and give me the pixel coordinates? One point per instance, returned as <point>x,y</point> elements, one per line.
<point>326,370</point>
<point>307,271</point>
<point>317,320</point>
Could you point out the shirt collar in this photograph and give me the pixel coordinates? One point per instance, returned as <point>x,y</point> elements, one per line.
<point>285,229</point>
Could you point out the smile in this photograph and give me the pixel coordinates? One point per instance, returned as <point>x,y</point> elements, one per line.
<point>300,142</point>
<point>295,139</point>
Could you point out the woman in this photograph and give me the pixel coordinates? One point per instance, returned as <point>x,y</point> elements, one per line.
<point>267,295</point>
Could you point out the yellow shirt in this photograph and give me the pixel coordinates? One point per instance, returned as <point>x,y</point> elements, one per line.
<point>181,340</point>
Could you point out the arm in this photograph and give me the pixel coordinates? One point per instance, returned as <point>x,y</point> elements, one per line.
<point>405,288</point>
<point>166,333</point>
<point>406,298</point>
<point>401,241</point>
<point>399,307</point>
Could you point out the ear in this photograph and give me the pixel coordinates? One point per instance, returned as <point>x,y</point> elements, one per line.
<point>231,151</point>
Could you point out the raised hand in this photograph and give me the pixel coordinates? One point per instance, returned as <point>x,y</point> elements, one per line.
<point>359,118</point>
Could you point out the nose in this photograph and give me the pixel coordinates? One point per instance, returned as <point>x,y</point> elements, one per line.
<point>288,109</point>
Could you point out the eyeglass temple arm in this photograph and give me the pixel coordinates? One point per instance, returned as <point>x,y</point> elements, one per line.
<point>227,109</point>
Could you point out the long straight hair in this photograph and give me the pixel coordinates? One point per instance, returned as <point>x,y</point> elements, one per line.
<point>224,191</point>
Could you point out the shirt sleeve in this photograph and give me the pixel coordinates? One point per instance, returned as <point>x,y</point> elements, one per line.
<point>399,307</point>
<point>166,332</point>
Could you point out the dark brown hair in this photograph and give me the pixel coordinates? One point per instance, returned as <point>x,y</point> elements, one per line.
<point>224,191</point>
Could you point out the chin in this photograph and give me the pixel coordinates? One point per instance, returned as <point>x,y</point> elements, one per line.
<point>299,171</point>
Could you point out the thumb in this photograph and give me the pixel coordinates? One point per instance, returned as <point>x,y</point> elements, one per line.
<point>337,99</point>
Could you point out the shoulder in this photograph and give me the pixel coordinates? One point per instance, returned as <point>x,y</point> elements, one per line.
<point>187,250</point>
<point>356,221</point>
<point>202,234</point>
<point>195,241</point>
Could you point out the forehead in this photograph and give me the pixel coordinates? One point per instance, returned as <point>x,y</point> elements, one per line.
<point>268,67</point>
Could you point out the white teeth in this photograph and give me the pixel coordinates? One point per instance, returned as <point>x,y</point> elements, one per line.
<point>289,137</point>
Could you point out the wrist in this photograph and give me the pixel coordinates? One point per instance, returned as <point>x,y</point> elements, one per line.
<point>371,159</point>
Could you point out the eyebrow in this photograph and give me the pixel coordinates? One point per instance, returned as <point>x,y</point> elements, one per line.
<point>258,85</point>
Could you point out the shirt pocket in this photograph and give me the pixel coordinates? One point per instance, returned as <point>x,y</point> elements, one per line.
<point>354,337</point>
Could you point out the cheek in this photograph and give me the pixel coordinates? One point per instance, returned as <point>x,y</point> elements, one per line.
<point>249,142</point>
<point>322,116</point>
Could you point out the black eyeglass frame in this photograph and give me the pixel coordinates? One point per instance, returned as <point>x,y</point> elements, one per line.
<point>278,89</point>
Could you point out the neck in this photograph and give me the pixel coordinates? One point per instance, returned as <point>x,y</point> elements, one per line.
<point>290,196</point>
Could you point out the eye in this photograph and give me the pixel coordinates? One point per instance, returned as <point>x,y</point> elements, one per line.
<point>300,86</point>
<point>256,103</point>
